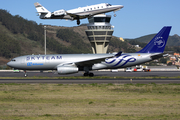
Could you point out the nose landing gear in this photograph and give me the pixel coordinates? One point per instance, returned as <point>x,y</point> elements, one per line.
<point>25,74</point>
<point>78,22</point>
<point>114,14</point>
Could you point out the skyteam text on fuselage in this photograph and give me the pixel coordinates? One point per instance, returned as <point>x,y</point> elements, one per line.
<point>78,13</point>
<point>72,63</point>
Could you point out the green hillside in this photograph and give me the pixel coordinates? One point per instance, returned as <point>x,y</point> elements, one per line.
<point>173,43</point>
<point>30,36</point>
<point>172,40</point>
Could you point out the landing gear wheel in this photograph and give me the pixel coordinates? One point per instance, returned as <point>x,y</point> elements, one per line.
<point>91,74</point>
<point>78,22</point>
<point>86,74</point>
<point>25,75</point>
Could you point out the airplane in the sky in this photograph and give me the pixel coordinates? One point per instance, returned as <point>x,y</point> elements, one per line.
<point>78,13</point>
<point>72,63</point>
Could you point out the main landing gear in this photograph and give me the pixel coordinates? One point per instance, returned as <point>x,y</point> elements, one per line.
<point>89,74</point>
<point>78,22</point>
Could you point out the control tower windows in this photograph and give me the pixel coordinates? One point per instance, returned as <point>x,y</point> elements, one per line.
<point>99,27</point>
<point>102,19</point>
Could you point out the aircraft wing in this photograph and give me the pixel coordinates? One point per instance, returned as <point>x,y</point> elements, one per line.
<point>88,62</point>
<point>75,16</point>
<point>96,60</point>
<point>91,62</point>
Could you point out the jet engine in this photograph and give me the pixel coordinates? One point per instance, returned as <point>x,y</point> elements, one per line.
<point>67,69</point>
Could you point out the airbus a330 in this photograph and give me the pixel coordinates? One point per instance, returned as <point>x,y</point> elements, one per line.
<point>73,63</point>
<point>78,13</point>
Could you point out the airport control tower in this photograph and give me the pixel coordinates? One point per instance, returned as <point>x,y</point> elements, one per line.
<point>99,33</point>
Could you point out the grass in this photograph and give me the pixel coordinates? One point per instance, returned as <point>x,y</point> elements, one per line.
<point>89,101</point>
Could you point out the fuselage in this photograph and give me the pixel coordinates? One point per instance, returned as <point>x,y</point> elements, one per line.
<point>51,62</point>
<point>83,12</point>
<point>95,9</point>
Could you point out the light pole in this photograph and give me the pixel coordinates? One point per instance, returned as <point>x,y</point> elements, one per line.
<point>45,40</point>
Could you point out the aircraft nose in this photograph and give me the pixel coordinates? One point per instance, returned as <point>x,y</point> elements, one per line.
<point>9,64</point>
<point>121,6</point>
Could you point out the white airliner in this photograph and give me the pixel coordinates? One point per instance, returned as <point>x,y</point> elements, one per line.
<point>78,13</point>
<point>72,63</point>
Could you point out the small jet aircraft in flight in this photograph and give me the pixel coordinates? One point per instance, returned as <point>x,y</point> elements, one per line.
<point>78,13</point>
<point>72,63</point>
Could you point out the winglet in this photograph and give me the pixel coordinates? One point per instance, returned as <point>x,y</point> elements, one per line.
<point>118,54</point>
<point>158,43</point>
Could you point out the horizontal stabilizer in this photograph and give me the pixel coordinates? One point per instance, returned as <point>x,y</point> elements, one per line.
<point>153,57</point>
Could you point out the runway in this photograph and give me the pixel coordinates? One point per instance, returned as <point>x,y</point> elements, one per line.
<point>96,73</point>
<point>90,80</point>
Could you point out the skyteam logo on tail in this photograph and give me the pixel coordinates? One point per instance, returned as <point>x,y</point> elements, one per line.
<point>159,42</point>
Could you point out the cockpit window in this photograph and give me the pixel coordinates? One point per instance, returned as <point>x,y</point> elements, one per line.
<point>109,5</point>
<point>13,60</point>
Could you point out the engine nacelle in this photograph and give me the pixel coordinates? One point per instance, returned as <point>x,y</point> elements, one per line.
<point>45,15</point>
<point>60,12</point>
<point>67,70</point>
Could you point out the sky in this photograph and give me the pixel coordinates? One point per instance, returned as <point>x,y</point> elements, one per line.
<point>136,19</point>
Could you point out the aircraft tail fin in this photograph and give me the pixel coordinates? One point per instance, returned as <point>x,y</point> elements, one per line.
<point>158,43</point>
<point>40,9</point>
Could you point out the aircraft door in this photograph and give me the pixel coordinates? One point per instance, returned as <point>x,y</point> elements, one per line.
<point>23,61</point>
<point>139,58</point>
